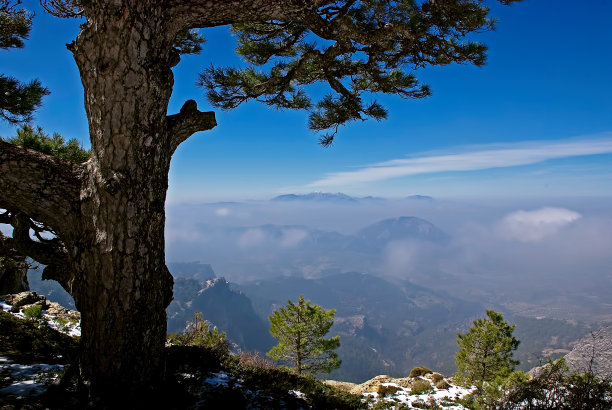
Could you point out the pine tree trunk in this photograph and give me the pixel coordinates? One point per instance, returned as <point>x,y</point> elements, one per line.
<point>122,285</point>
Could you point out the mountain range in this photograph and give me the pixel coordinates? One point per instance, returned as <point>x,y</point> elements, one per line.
<point>265,251</point>
<point>339,198</point>
<point>387,322</point>
<point>385,327</point>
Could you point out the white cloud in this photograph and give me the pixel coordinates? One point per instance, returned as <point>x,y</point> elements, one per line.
<point>533,226</point>
<point>222,212</point>
<point>483,158</point>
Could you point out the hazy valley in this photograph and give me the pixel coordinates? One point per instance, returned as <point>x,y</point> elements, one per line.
<point>402,286</point>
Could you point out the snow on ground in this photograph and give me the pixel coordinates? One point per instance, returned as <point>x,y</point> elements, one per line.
<point>26,380</point>
<point>218,379</point>
<point>70,329</point>
<point>20,380</point>
<point>445,398</point>
<point>5,307</point>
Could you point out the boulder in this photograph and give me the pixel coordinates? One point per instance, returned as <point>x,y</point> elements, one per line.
<point>372,385</point>
<point>344,386</point>
<point>591,353</point>
<point>19,300</point>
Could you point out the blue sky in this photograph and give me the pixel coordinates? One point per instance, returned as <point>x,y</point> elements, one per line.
<point>536,121</point>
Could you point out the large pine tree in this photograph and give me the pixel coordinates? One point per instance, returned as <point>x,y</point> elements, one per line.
<point>108,213</point>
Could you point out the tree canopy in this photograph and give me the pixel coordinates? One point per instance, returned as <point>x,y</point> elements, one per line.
<point>300,329</point>
<point>485,351</point>
<point>34,138</point>
<point>358,48</point>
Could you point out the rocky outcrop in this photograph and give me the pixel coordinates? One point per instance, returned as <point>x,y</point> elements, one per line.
<point>373,385</point>
<point>591,353</point>
<point>21,301</point>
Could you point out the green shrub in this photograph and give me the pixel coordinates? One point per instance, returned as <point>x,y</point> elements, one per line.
<point>419,371</point>
<point>386,390</point>
<point>198,334</point>
<point>74,319</point>
<point>494,394</point>
<point>34,313</point>
<point>255,360</point>
<point>420,386</point>
<point>62,324</point>
<point>429,404</point>
<point>277,382</point>
<point>436,377</point>
<point>555,387</point>
<point>442,384</point>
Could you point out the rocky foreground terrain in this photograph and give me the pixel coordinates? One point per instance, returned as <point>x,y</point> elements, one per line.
<point>25,376</point>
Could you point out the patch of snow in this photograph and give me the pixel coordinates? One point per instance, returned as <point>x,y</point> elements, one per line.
<point>71,329</point>
<point>27,380</point>
<point>220,378</point>
<point>442,397</point>
<point>298,394</point>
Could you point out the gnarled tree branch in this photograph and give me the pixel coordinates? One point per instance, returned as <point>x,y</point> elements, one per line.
<point>49,252</point>
<point>187,122</point>
<point>44,187</point>
<point>46,252</point>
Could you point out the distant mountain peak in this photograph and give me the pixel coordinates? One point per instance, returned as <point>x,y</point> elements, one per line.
<point>316,196</point>
<point>401,228</point>
<point>419,198</point>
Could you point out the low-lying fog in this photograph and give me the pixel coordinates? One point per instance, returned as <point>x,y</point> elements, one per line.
<point>538,257</point>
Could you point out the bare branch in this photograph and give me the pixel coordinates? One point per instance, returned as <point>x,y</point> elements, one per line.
<point>44,187</point>
<point>189,121</point>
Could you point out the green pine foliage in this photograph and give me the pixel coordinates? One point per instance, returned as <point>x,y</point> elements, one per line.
<point>485,351</point>
<point>34,313</point>
<point>17,100</point>
<point>199,334</point>
<point>36,139</point>
<point>189,42</point>
<point>356,48</point>
<point>300,329</point>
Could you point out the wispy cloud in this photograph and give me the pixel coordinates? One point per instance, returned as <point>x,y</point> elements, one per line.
<point>478,158</point>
